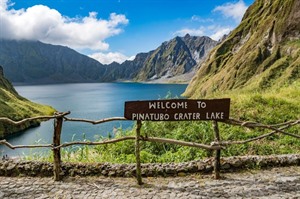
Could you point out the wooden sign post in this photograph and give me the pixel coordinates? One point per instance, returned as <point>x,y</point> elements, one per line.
<point>177,110</point>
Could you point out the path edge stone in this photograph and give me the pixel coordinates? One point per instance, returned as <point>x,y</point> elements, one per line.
<point>12,168</point>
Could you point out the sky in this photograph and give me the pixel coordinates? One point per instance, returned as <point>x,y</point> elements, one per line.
<point>116,30</point>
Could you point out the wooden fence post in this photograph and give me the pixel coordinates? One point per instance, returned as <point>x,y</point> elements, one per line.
<point>137,153</point>
<point>56,152</point>
<point>217,162</point>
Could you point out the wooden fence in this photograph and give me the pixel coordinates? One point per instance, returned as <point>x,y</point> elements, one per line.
<point>216,145</point>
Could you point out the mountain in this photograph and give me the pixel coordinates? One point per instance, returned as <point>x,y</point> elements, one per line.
<point>36,62</point>
<point>128,70</point>
<point>263,52</point>
<point>13,106</point>
<point>175,57</point>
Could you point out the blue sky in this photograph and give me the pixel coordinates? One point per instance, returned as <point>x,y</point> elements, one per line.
<point>115,30</point>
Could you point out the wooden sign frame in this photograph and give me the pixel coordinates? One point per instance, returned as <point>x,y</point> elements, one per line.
<point>178,110</point>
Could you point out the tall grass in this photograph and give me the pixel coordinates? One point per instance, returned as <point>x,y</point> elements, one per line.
<point>274,106</point>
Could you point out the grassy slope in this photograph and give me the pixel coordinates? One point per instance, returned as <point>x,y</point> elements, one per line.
<point>271,107</point>
<point>15,107</point>
<point>259,52</point>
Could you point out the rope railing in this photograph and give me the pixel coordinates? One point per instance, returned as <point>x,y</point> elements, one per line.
<point>216,145</point>
<point>258,125</point>
<point>94,122</point>
<point>4,142</point>
<point>212,146</point>
<point>56,115</point>
<point>111,141</point>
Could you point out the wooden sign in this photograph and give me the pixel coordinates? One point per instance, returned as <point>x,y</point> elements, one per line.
<point>178,110</point>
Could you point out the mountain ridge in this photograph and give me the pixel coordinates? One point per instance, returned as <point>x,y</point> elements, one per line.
<point>262,52</point>
<point>35,62</point>
<point>176,57</point>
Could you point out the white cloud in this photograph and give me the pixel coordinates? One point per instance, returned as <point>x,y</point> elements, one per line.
<point>196,18</point>
<point>131,58</point>
<point>191,31</point>
<point>42,23</point>
<point>214,28</point>
<point>233,10</point>
<point>214,31</point>
<point>3,5</point>
<point>220,32</point>
<point>107,58</point>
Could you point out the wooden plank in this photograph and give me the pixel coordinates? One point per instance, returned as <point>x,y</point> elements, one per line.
<point>178,110</point>
<point>137,153</point>
<point>56,151</point>
<point>217,161</point>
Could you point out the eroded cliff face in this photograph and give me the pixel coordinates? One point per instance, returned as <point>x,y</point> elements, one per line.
<point>175,57</point>
<point>170,60</point>
<point>262,52</point>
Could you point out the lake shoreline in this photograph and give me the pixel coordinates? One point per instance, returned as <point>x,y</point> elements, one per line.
<point>92,101</point>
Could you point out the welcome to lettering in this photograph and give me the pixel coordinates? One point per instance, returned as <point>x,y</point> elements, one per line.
<point>167,105</point>
<point>173,105</point>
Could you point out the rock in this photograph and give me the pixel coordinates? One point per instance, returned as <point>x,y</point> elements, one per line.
<point>11,166</point>
<point>170,171</point>
<point>112,174</point>
<point>226,166</point>
<point>200,166</point>
<point>42,169</point>
<point>128,174</point>
<point>181,174</point>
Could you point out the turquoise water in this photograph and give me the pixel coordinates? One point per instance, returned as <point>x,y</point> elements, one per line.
<point>92,101</point>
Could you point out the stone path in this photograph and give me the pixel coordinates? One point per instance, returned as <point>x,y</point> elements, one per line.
<point>273,183</point>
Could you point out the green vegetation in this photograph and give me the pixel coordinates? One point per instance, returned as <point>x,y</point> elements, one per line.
<point>18,108</point>
<point>272,107</point>
<point>15,107</point>
<point>258,67</point>
<point>263,51</point>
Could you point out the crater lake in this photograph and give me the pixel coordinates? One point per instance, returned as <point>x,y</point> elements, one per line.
<point>93,101</point>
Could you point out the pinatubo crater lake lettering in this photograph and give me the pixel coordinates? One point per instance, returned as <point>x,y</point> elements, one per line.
<point>177,110</point>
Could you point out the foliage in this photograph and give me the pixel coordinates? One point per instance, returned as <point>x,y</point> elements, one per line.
<point>261,53</point>
<point>272,107</point>
<point>15,107</point>
<point>257,66</point>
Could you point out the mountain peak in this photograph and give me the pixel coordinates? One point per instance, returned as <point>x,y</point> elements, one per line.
<point>175,57</point>
<point>187,36</point>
